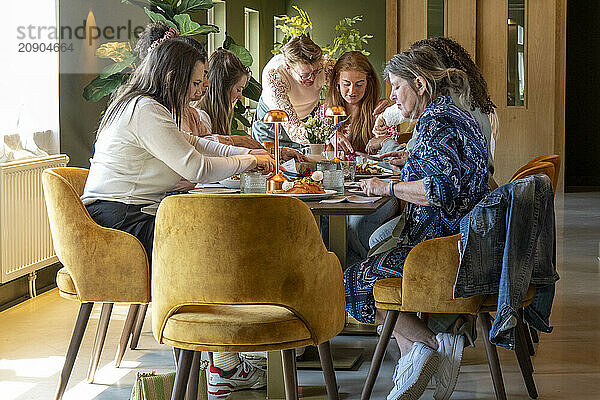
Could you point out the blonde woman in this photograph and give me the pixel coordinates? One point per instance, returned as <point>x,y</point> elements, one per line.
<point>292,81</point>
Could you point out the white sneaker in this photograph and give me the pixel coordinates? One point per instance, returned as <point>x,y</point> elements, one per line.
<point>413,372</point>
<point>244,376</point>
<point>450,348</point>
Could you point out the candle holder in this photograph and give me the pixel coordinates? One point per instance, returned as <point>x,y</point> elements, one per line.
<point>336,112</point>
<point>276,117</point>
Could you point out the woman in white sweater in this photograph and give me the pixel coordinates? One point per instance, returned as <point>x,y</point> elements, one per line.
<point>140,151</point>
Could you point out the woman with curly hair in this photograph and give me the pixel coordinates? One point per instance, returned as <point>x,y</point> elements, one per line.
<point>453,55</point>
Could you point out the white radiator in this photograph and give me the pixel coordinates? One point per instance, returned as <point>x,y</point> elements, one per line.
<point>25,240</point>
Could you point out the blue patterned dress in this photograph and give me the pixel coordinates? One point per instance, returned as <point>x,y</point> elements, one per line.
<point>450,156</point>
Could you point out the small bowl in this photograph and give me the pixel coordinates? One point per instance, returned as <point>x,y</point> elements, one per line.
<point>230,183</point>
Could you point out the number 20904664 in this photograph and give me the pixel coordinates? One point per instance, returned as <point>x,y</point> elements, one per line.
<point>35,47</point>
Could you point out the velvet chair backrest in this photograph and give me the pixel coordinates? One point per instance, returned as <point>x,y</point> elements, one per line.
<point>106,265</point>
<point>245,249</point>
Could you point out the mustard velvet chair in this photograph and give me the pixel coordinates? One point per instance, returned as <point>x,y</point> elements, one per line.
<point>537,164</point>
<point>101,265</point>
<point>244,273</point>
<point>427,286</point>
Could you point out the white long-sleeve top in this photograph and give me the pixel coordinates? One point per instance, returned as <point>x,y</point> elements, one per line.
<point>142,154</point>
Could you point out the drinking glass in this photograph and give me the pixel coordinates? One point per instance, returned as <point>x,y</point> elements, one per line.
<point>333,175</point>
<point>253,182</point>
<point>349,168</point>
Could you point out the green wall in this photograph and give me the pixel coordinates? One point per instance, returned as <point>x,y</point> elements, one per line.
<point>268,9</point>
<point>326,14</point>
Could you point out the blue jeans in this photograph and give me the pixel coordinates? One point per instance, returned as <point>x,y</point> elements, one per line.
<point>508,243</point>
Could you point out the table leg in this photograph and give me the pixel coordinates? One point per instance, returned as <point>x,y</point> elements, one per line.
<point>337,237</point>
<point>275,384</point>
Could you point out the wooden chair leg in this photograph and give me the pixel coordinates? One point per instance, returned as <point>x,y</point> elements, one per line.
<point>192,385</point>
<point>492,355</point>
<point>528,339</point>
<point>388,326</point>
<point>82,319</point>
<point>139,322</point>
<point>289,374</point>
<point>524,359</point>
<point>183,374</point>
<point>133,309</point>
<point>534,335</point>
<point>328,371</point>
<point>176,353</point>
<point>99,341</point>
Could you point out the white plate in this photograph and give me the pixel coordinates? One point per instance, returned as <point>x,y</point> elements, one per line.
<point>357,191</point>
<point>230,183</point>
<point>214,190</point>
<point>310,196</point>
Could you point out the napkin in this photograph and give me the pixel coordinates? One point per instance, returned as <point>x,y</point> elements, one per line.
<point>290,166</point>
<point>352,199</point>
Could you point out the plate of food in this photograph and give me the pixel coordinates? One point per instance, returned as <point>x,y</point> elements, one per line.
<point>370,170</point>
<point>306,188</point>
<point>233,182</point>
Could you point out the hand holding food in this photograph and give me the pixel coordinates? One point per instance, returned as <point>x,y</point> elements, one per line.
<point>380,128</point>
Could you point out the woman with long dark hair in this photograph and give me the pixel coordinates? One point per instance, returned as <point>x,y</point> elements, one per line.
<point>140,151</point>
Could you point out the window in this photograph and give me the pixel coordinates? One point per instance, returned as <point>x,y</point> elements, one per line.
<point>517,56</point>
<point>29,101</point>
<point>252,43</point>
<point>217,16</point>
<point>435,18</point>
<point>251,38</point>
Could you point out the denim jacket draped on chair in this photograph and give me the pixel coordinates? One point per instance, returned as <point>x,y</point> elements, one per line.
<point>508,241</point>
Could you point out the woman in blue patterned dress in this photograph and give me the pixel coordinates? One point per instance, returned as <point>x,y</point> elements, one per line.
<point>444,178</point>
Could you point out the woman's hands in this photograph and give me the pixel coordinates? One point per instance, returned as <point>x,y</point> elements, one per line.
<point>375,144</point>
<point>287,154</point>
<point>375,187</point>
<point>344,144</point>
<point>257,152</point>
<point>265,163</point>
<point>397,158</point>
<point>380,128</point>
<point>245,141</point>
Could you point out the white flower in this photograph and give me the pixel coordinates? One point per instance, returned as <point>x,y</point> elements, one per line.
<point>317,176</point>
<point>287,185</point>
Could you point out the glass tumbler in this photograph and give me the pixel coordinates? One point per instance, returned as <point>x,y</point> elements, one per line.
<point>333,175</point>
<point>349,168</point>
<point>253,182</point>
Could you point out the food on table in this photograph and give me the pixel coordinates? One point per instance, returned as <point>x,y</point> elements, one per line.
<point>368,168</point>
<point>304,185</point>
<point>234,178</point>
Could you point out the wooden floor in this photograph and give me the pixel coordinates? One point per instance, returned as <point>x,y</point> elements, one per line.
<point>34,336</point>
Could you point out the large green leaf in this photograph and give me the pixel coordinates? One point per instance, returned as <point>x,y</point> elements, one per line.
<point>187,27</point>
<point>100,87</point>
<point>117,67</point>
<point>154,17</point>
<point>240,51</point>
<point>252,90</point>
<point>116,51</point>
<point>193,5</point>
<point>168,6</point>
